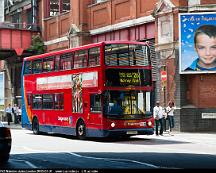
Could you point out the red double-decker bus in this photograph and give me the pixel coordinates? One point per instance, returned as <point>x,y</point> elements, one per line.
<point>97,90</point>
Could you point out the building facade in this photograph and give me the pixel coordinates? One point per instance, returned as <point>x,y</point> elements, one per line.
<point>193,92</point>
<point>70,23</point>
<point>17,26</point>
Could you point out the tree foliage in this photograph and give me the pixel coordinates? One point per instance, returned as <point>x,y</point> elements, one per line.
<point>37,44</point>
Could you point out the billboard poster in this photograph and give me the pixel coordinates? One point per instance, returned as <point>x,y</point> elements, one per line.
<point>197,43</point>
<point>2,90</point>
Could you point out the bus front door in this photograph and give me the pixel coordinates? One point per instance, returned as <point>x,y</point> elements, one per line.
<point>93,111</point>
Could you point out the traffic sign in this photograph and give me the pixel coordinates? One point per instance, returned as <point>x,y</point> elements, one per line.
<point>163,75</point>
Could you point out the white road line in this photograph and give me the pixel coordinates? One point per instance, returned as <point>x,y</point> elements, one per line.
<point>27,162</point>
<point>30,164</point>
<point>111,159</point>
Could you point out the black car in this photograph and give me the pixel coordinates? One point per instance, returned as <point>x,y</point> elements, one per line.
<point>5,143</point>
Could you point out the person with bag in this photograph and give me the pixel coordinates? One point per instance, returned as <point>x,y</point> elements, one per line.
<point>170,115</point>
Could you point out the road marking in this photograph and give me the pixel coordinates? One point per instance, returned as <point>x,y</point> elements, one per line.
<point>27,162</point>
<point>111,159</point>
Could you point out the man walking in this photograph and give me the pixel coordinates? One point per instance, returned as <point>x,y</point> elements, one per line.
<point>15,110</point>
<point>8,113</point>
<point>158,116</point>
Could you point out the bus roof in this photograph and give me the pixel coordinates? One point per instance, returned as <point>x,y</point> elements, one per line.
<point>82,47</point>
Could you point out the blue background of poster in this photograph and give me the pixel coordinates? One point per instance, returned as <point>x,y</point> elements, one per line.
<point>2,88</point>
<point>188,24</point>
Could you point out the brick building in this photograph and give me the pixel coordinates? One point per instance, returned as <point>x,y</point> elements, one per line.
<point>17,26</point>
<point>70,23</point>
<point>194,93</point>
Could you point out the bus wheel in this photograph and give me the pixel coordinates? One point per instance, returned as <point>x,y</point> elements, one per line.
<point>81,130</point>
<point>35,126</point>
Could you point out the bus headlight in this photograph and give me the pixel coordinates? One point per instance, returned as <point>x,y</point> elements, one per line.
<point>149,123</point>
<point>112,124</point>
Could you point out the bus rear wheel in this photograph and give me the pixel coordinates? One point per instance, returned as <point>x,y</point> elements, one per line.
<point>35,126</point>
<point>81,130</point>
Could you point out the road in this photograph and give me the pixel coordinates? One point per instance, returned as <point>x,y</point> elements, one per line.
<point>49,151</point>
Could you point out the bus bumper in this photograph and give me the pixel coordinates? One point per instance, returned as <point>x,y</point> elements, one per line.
<point>120,132</point>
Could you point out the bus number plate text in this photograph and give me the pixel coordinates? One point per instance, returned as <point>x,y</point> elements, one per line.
<point>132,132</point>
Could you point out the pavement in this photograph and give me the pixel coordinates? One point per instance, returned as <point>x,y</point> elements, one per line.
<point>13,125</point>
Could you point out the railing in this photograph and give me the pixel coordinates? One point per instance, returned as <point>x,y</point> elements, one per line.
<point>23,26</point>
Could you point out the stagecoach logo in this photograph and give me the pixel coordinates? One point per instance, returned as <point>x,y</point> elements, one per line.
<point>62,118</point>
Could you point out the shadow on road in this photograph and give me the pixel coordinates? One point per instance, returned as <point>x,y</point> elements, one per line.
<point>151,140</point>
<point>111,160</point>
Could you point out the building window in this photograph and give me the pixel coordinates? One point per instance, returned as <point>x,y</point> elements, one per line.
<point>56,7</point>
<point>98,1</point>
<point>17,20</point>
<point>165,29</point>
<point>165,25</point>
<point>65,6</point>
<point>193,2</point>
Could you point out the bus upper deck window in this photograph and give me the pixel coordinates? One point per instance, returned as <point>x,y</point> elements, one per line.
<point>28,67</point>
<point>80,59</point>
<point>94,57</point>
<point>37,66</point>
<point>66,61</point>
<point>48,64</point>
<point>57,61</point>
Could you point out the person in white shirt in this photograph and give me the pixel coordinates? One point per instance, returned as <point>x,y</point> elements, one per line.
<point>158,116</point>
<point>15,110</point>
<point>170,114</point>
<point>9,113</point>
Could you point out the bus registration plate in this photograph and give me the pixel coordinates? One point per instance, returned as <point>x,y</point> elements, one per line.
<point>132,132</point>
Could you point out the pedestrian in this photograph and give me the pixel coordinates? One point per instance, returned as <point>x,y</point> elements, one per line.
<point>9,113</point>
<point>158,116</point>
<point>15,111</point>
<point>170,115</point>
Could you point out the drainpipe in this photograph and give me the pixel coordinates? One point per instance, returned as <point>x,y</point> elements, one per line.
<point>34,14</point>
<point>2,11</point>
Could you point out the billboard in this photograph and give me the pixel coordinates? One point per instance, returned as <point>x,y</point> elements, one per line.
<point>2,90</point>
<point>197,43</point>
